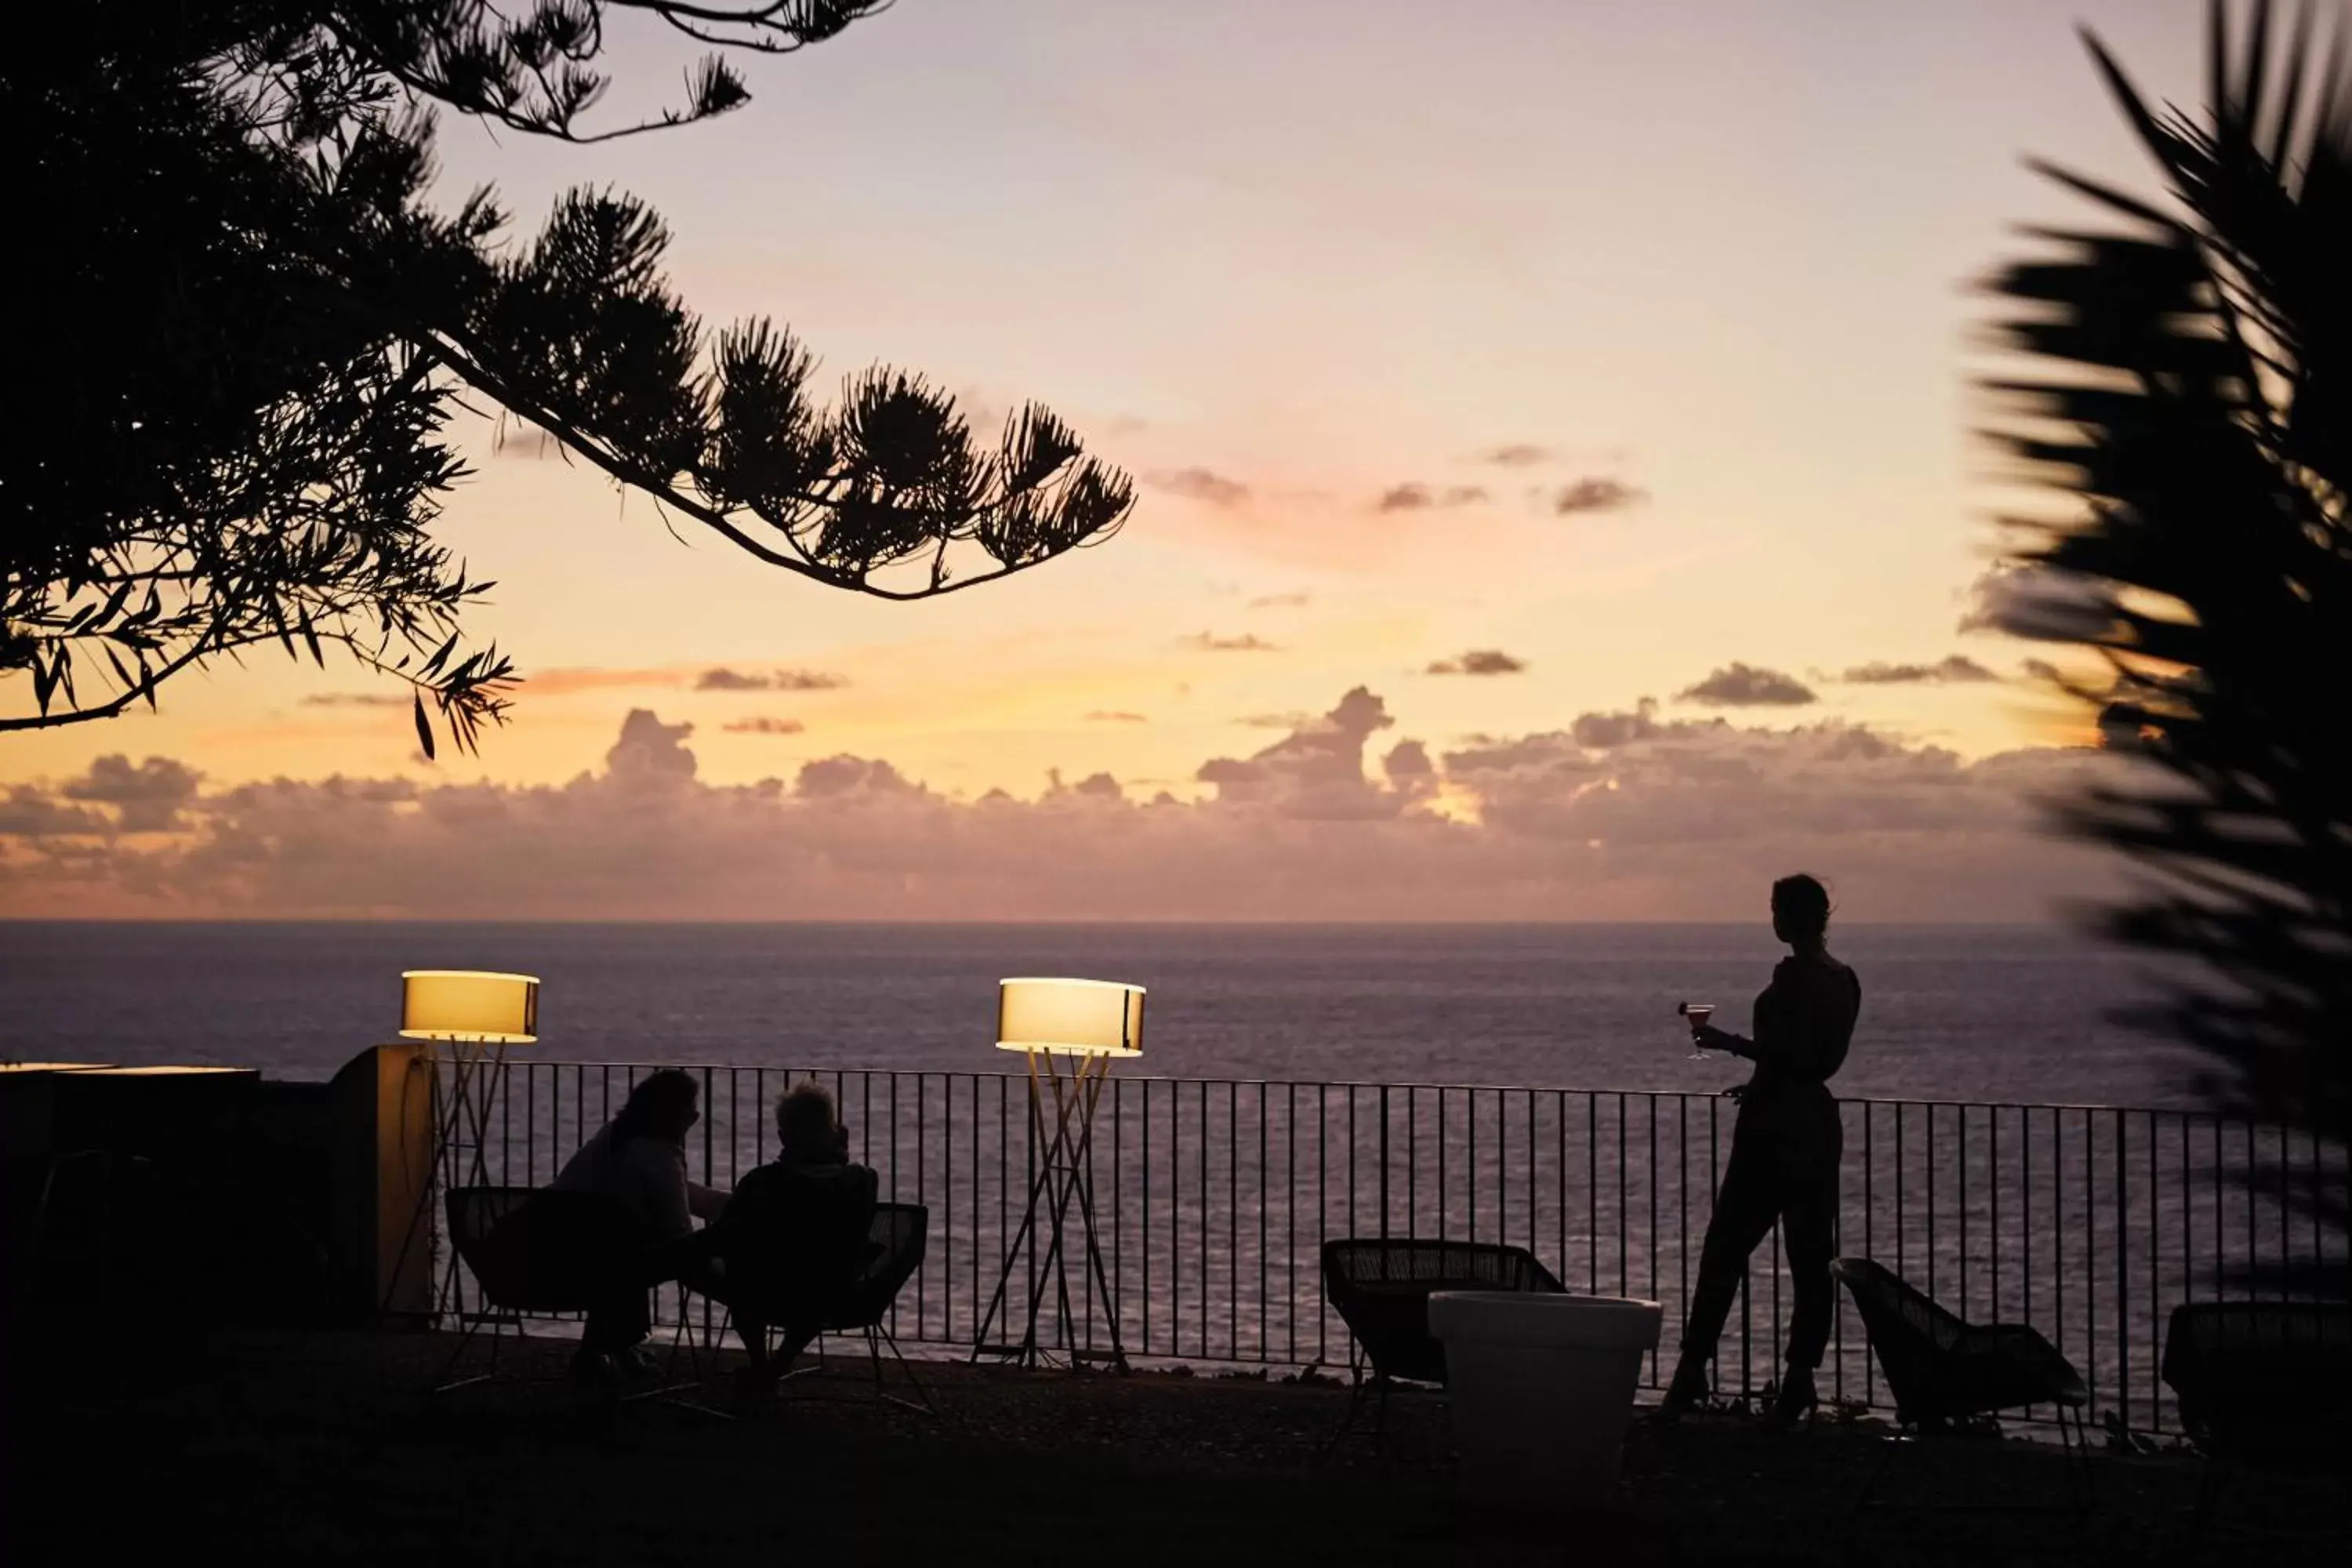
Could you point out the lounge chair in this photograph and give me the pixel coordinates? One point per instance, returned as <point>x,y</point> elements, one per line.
<point>1380,1286</point>
<point>2261,1385</point>
<point>897,1237</point>
<point>568,1253</point>
<point>1942,1370</point>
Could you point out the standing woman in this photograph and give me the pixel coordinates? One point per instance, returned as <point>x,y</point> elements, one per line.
<point>1785,1149</point>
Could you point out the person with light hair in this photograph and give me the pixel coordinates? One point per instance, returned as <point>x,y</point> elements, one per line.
<point>793,1235</point>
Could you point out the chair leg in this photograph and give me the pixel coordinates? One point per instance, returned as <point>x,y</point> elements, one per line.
<point>464,1340</point>
<point>1355,1399</point>
<point>874,1338</point>
<point>2082,1478</point>
<point>2211,1484</point>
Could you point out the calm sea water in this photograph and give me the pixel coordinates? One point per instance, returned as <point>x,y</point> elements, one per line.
<point>1963,1013</point>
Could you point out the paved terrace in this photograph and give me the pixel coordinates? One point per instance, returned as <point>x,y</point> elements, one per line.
<point>264,1447</point>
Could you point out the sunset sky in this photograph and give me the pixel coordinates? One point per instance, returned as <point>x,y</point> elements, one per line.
<point>1628,342</point>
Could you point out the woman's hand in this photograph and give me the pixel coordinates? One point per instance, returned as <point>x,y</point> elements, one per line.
<point>1707,1038</point>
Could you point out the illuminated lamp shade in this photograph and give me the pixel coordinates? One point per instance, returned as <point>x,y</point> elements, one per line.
<point>469,1005</point>
<point>1070,1017</point>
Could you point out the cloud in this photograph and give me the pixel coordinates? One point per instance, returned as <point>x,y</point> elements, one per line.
<point>1594,495</point>
<point>1415,497</point>
<point>1478,662</point>
<point>1601,732</point>
<point>1316,771</point>
<point>1956,668</point>
<point>1112,716</point>
<point>2041,669</point>
<point>1272,721</point>
<point>1517,455</point>
<point>764,726</point>
<point>1738,685</point>
<point>27,812</point>
<point>1620,815</point>
<point>2038,604</point>
<point>354,700</point>
<point>147,798</point>
<point>1248,642</point>
<point>725,680</point>
<point>1201,485</point>
<point>1281,602</point>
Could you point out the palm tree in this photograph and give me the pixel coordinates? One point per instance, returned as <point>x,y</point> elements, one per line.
<point>2188,399</point>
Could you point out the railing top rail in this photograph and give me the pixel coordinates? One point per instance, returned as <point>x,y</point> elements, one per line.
<point>2199,1112</point>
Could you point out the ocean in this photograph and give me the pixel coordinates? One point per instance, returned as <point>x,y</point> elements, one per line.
<point>1976,1013</point>
<point>1281,1130</point>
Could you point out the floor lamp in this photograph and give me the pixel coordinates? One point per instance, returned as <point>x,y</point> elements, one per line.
<point>1070,1031</point>
<point>467,1019</point>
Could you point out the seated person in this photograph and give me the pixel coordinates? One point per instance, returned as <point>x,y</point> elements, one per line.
<point>793,1234</point>
<point>639,1159</point>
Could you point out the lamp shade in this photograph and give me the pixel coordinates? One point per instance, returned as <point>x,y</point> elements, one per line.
<point>468,1005</point>
<point>1070,1017</point>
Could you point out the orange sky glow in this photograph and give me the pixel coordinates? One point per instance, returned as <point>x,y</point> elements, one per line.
<point>1512,388</point>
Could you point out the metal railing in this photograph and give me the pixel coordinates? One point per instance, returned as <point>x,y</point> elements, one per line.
<point>1213,1198</point>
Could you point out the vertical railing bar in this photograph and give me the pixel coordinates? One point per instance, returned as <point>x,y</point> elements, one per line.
<point>1992,1184</point>
<point>1146,1216</point>
<point>1233,1217</point>
<point>2089,1254</point>
<point>1290,1214</point>
<point>1322,1214</point>
<point>1592,1190</point>
<point>1559,1172</point>
<point>2122,1269</point>
<point>1472,1140</point>
<point>2058,1230</point>
<point>1929,1109</point>
<point>1869,1231</point>
<point>1623,1206</point>
<point>1204,1217</point>
<point>1682,1201</point>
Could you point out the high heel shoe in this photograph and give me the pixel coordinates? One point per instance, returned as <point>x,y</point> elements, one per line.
<point>1794,1402</point>
<point>1685,1393</point>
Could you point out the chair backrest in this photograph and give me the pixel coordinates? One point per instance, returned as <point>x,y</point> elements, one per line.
<point>896,1242</point>
<point>539,1250</point>
<point>1891,1306</point>
<point>1380,1286</point>
<point>2269,1381</point>
<point>1939,1367</point>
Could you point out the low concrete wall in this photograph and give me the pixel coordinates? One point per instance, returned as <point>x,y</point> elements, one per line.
<point>229,1198</point>
<point>384,1181</point>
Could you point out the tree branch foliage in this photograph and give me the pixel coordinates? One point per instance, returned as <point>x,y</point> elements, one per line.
<point>2191,397</point>
<point>247,329</point>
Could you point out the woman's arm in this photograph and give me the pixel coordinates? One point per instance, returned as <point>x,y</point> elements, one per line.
<point>1711,1038</point>
<point>657,1168</point>
<point>706,1203</point>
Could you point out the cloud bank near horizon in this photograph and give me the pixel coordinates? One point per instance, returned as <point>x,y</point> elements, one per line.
<point>1621,815</point>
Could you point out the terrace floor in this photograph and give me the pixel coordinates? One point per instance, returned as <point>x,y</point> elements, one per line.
<point>279,1446</point>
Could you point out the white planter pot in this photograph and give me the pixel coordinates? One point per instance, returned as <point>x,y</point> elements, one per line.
<point>1541,1388</point>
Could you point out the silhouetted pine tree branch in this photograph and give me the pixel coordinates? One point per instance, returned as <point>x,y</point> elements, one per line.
<point>241,332</point>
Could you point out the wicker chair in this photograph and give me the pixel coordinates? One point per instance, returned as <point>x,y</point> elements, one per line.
<point>1941,1369</point>
<point>2261,1385</point>
<point>895,1245</point>
<point>1380,1286</point>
